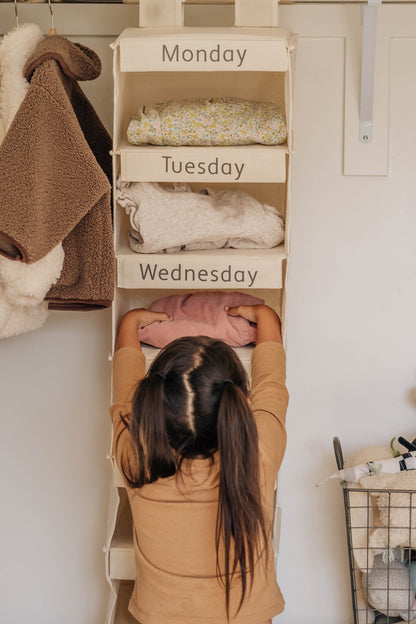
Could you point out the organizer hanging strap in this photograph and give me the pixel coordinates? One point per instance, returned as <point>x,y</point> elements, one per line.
<point>170,13</point>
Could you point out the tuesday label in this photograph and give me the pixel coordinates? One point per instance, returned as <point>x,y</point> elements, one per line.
<point>214,167</point>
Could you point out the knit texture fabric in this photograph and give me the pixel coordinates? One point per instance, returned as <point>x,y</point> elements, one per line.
<point>201,314</point>
<point>173,218</point>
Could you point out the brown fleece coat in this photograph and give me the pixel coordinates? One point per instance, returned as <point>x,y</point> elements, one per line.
<point>54,185</point>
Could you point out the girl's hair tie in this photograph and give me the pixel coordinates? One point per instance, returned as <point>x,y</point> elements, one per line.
<point>160,374</point>
<point>230,381</point>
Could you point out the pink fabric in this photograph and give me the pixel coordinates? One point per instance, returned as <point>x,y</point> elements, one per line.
<point>201,314</point>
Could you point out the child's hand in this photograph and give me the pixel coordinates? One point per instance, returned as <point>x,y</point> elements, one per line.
<point>142,317</point>
<point>266,319</point>
<point>133,321</point>
<point>249,312</point>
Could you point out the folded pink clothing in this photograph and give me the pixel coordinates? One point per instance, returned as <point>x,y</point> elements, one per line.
<point>201,314</point>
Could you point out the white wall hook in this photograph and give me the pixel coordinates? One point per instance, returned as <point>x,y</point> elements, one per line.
<point>161,13</point>
<point>369,23</point>
<point>256,13</point>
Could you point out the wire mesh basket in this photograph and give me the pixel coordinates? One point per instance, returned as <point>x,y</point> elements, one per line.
<point>381,538</point>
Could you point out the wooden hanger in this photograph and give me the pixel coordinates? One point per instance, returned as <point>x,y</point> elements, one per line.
<point>16,14</point>
<point>52,29</point>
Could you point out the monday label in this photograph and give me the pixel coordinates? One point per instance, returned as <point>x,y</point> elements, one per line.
<point>214,54</point>
<point>203,54</point>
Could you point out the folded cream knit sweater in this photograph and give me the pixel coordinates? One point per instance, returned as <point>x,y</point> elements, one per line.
<point>170,219</point>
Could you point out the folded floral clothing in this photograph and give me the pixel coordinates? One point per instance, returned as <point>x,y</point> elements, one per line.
<point>215,121</point>
<point>201,314</point>
<point>174,218</point>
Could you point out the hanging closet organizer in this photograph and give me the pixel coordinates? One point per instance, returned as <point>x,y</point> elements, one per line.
<point>160,64</point>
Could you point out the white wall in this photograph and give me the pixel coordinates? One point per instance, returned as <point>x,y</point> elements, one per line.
<point>54,487</point>
<point>351,358</point>
<point>351,314</point>
<point>55,390</point>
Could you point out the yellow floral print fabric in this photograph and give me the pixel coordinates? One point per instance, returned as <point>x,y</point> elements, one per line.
<point>216,121</point>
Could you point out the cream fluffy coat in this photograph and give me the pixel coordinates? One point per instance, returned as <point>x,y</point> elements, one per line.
<point>23,287</point>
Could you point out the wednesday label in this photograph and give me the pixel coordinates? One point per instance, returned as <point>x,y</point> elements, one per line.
<point>150,272</point>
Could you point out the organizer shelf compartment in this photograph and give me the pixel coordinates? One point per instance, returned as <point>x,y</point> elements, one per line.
<point>137,89</point>
<point>252,65</point>
<point>128,298</point>
<point>211,49</point>
<point>219,269</point>
<point>240,163</point>
<point>165,64</point>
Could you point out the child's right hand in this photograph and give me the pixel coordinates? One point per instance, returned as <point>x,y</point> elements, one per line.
<point>252,313</point>
<point>248,312</point>
<point>266,319</point>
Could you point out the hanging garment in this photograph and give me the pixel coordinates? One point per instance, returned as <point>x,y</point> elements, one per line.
<point>217,121</point>
<point>54,186</point>
<point>173,218</point>
<point>23,287</point>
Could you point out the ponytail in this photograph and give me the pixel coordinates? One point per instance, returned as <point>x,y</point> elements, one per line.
<point>153,455</point>
<point>240,521</point>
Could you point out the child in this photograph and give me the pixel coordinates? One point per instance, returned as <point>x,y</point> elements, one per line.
<point>200,456</point>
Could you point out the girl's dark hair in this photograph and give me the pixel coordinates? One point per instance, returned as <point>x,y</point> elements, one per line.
<point>192,403</point>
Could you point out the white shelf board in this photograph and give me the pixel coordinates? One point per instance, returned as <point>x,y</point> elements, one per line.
<point>216,269</point>
<point>122,565</point>
<point>244,353</point>
<point>236,163</point>
<point>208,49</point>
<point>117,478</point>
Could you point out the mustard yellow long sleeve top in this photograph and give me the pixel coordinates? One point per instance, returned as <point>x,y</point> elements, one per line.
<point>174,518</point>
